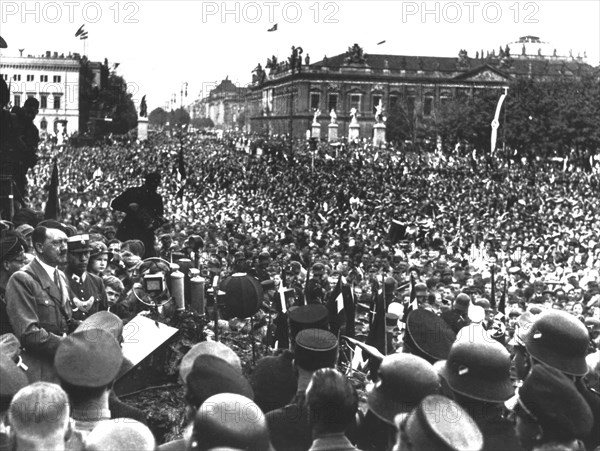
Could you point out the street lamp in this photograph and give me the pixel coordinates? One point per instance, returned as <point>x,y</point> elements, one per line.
<point>184,87</point>
<point>295,61</point>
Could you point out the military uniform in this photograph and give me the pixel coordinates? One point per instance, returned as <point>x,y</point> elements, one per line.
<point>40,314</point>
<point>84,288</point>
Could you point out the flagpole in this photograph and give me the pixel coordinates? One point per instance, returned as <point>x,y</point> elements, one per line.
<point>385,339</point>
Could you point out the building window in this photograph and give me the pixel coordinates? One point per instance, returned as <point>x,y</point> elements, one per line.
<point>444,97</point>
<point>315,100</point>
<point>43,78</point>
<point>44,124</point>
<point>376,99</point>
<point>332,102</point>
<point>410,104</point>
<point>17,77</point>
<point>43,101</point>
<point>428,104</point>
<point>56,79</point>
<point>355,101</point>
<point>462,93</point>
<point>57,102</point>
<point>29,77</point>
<point>5,76</point>
<point>17,101</point>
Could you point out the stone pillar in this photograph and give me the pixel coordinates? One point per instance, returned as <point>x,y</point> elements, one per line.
<point>333,132</point>
<point>315,130</point>
<point>142,128</point>
<point>354,131</point>
<point>379,135</point>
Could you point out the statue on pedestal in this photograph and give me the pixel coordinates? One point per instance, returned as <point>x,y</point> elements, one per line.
<point>316,116</point>
<point>353,113</point>
<point>333,116</point>
<point>379,112</point>
<point>143,108</point>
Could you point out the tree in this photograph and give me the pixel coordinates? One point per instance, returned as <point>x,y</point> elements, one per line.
<point>158,117</point>
<point>399,124</point>
<point>468,119</point>
<point>552,117</point>
<point>203,122</point>
<point>179,117</point>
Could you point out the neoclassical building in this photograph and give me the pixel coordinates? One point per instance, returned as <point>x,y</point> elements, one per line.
<point>223,105</point>
<point>56,81</point>
<point>283,96</point>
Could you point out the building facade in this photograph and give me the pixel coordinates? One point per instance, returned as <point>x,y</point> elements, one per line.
<point>284,97</point>
<point>56,81</point>
<point>224,105</point>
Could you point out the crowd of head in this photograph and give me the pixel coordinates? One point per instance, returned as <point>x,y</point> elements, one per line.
<point>486,270</point>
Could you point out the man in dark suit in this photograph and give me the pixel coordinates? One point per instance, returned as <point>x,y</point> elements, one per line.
<point>89,294</point>
<point>144,211</point>
<point>38,303</point>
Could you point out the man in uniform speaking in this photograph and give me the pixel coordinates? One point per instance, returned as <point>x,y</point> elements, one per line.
<point>38,302</point>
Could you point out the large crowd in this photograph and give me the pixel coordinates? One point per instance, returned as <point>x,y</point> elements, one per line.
<point>486,269</point>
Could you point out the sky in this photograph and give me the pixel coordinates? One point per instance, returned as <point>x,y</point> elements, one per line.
<point>163,45</point>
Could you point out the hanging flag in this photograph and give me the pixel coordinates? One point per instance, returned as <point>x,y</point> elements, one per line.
<point>181,173</point>
<point>81,33</point>
<point>412,303</point>
<point>273,28</point>
<point>502,303</point>
<point>496,122</point>
<point>341,307</point>
<point>181,165</point>
<point>52,210</point>
<point>376,336</point>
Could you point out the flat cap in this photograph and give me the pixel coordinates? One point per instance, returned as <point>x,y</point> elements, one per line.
<point>90,357</point>
<point>10,247</point>
<point>106,321</point>
<point>213,348</point>
<point>439,424</point>
<point>13,378</point>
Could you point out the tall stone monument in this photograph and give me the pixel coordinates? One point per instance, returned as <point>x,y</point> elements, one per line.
<point>142,125</point>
